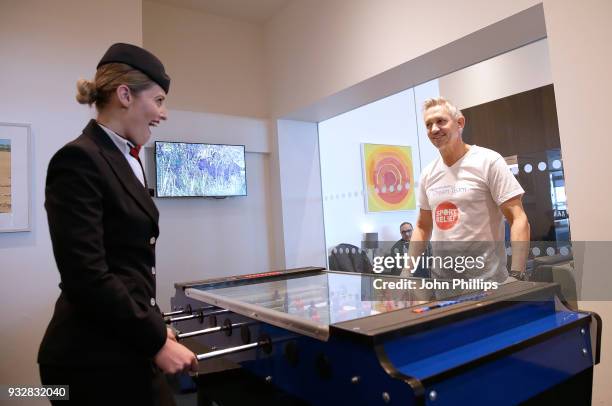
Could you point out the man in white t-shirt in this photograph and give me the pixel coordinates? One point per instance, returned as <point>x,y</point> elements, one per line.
<point>464,196</point>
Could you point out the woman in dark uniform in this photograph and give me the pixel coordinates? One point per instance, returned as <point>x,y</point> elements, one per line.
<point>107,339</point>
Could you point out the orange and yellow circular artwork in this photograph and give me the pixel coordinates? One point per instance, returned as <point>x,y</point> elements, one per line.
<point>389,177</point>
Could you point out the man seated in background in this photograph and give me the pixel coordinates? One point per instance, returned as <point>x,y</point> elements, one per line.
<point>401,247</point>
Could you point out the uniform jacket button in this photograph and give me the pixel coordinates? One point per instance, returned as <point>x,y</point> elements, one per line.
<point>152,240</point>
<point>152,301</point>
<point>153,270</point>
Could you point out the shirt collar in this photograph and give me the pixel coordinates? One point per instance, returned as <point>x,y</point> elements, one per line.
<point>121,143</point>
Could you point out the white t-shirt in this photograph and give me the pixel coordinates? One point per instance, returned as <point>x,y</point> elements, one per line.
<point>464,200</point>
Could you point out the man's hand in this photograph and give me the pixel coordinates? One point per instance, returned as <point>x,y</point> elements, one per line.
<point>174,357</point>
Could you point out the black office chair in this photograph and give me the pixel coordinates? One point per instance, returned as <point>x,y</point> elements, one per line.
<point>349,258</point>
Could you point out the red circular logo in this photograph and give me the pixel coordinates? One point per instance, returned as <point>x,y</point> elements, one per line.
<point>390,177</point>
<point>446,215</point>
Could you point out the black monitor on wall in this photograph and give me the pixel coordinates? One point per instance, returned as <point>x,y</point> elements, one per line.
<point>185,169</point>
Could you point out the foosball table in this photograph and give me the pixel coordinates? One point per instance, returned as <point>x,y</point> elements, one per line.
<point>329,338</point>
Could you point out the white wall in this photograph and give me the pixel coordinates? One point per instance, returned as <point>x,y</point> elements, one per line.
<point>316,48</point>
<point>45,47</point>
<point>514,72</point>
<point>390,121</point>
<point>204,238</point>
<point>216,64</point>
<point>300,192</point>
<point>578,34</point>
<point>217,95</point>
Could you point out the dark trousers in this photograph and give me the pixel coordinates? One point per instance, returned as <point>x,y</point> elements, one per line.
<point>119,385</point>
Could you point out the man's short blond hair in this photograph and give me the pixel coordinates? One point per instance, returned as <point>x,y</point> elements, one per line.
<point>441,101</point>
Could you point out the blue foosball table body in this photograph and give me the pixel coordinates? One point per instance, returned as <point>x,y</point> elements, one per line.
<point>316,335</point>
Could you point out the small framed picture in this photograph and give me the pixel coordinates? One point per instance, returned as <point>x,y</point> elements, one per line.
<point>14,177</point>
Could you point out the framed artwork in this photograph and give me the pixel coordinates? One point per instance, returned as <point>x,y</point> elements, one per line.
<point>14,177</point>
<point>388,177</point>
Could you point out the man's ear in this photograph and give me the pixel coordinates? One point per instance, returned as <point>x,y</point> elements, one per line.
<point>461,122</point>
<point>124,95</point>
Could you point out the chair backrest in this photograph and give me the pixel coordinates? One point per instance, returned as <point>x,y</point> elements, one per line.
<point>349,258</point>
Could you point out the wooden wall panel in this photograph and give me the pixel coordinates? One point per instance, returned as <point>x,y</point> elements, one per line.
<point>524,124</point>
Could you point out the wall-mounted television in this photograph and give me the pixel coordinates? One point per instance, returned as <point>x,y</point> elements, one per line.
<point>199,170</point>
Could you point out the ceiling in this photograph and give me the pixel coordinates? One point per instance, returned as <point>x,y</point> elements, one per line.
<point>252,11</point>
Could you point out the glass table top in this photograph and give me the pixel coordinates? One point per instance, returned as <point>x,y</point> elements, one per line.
<point>324,298</point>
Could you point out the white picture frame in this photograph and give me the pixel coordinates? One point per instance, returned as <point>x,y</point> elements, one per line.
<point>14,177</point>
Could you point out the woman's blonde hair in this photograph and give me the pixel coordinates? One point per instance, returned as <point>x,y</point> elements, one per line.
<point>108,78</point>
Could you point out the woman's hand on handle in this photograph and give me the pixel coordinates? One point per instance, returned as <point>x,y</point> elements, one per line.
<point>174,358</point>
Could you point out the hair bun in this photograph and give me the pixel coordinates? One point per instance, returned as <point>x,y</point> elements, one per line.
<point>86,92</point>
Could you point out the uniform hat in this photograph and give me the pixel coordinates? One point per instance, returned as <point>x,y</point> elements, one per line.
<point>137,58</point>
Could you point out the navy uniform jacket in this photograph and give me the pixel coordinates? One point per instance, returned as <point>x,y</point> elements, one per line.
<point>104,226</point>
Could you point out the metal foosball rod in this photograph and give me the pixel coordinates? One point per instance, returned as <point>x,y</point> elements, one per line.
<point>227,351</point>
<point>211,330</point>
<point>187,309</point>
<point>175,313</point>
<point>199,315</point>
<point>264,342</point>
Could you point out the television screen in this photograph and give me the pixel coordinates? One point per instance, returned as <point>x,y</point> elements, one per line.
<point>189,170</point>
